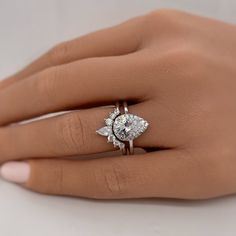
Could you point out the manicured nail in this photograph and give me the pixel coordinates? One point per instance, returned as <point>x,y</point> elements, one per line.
<point>15,171</point>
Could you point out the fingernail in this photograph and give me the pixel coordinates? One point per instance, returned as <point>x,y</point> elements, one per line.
<point>15,171</point>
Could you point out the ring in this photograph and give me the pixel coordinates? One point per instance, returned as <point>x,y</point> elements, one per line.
<point>122,128</point>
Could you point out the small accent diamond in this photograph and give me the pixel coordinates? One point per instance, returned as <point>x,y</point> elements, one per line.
<point>111,138</point>
<point>105,131</point>
<point>114,114</point>
<point>116,143</point>
<point>121,145</point>
<point>109,121</point>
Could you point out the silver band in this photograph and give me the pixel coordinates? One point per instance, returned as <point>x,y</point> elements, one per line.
<point>130,146</point>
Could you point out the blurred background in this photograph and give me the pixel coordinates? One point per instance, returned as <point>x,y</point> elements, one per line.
<point>30,27</point>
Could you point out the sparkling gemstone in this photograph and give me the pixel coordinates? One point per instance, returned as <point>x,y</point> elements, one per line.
<point>114,114</point>
<point>116,143</point>
<point>127,127</point>
<point>111,138</point>
<point>121,145</point>
<point>105,131</point>
<point>109,121</point>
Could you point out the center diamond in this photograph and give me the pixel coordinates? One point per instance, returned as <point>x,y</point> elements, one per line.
<point>127,127</point>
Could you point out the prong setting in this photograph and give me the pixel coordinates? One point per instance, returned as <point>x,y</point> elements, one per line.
<point>122,128</point>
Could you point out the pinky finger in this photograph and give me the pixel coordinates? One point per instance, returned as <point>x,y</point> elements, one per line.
<point>161,174</point>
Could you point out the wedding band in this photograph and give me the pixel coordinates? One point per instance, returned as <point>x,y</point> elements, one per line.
<point>122,128</point>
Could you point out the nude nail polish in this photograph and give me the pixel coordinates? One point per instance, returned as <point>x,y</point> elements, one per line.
<point>15,171</point>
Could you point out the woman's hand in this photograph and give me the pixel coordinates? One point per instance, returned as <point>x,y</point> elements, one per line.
<point>178,71</point>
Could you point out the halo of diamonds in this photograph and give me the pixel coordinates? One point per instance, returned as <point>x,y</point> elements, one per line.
<point>121,128</point>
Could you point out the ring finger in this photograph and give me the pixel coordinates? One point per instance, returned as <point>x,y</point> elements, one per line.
<point>70,134</point>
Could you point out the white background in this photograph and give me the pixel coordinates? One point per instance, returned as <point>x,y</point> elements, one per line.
<point>28,28</point>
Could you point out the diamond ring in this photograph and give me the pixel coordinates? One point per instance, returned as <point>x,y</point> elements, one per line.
<point>122,128</point>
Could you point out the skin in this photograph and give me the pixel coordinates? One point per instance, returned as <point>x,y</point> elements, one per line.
<point>175,69</point>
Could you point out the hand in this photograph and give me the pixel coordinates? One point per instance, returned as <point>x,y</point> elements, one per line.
<point>178,71</point>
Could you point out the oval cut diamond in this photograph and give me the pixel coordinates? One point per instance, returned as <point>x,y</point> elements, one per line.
<point>127,127</point>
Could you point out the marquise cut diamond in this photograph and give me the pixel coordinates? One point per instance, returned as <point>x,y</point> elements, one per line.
<point>105,131</point>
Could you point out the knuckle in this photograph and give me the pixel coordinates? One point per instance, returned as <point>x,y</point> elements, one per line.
<point>167,22</point>
<point>114,181</point>
<point>162,15</point>
<point>71,133</point>
<point>58,54</point>
<point>162,12</point>
<point>46,84</point>
<point>182,60</point>
<point>182,54</point>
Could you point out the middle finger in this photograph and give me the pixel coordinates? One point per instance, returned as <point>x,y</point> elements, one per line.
<point>79,84</point>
